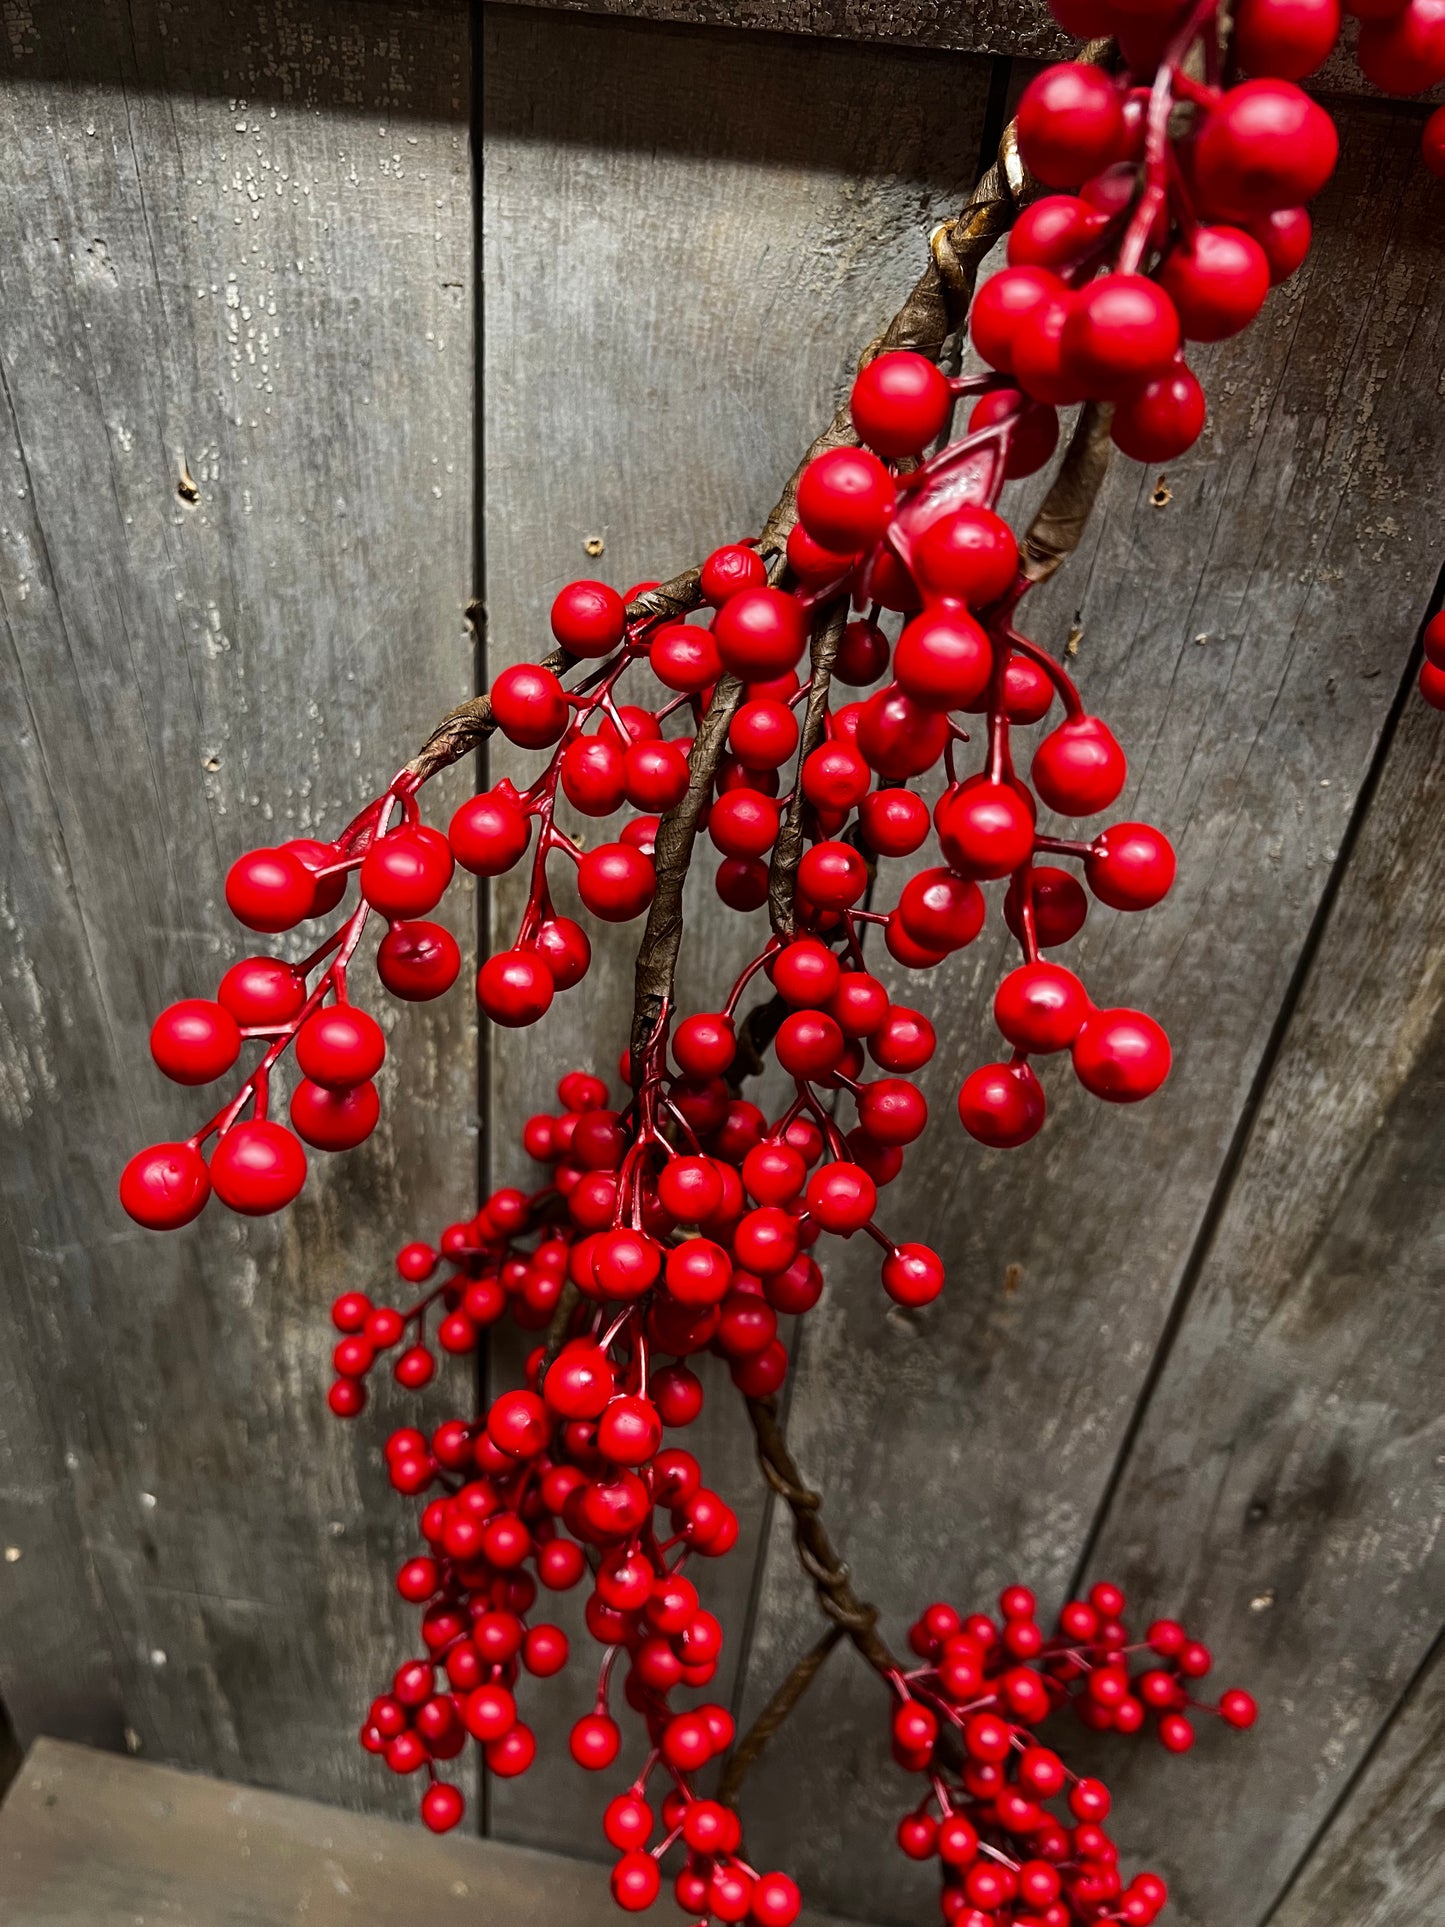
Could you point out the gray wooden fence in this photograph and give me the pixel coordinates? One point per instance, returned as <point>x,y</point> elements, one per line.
<point>1196,1347</point>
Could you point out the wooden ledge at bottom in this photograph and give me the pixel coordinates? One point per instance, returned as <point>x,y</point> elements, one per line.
<point>96,1840</point>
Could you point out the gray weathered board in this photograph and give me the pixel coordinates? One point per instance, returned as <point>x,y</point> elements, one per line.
<point>89,1840</point>
<point>1196,1345</point>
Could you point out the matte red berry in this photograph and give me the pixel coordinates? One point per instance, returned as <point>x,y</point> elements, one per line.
<point>257,1168</point>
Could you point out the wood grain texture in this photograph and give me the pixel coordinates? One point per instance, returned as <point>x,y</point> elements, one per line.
<point>1286,1480</point>
<point>688,238</point>
<point>1024,28</point>
<point>1382,1859</point>
<point>1244,627</point>
<point>88,1840</point>
<point>276,304</point>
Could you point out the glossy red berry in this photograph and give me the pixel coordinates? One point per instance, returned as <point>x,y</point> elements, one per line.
<point>1121,330</point>
<point>262,992</point>
<point>405,873</point>
<point>898,736</point>
<point>195,1041</point>
<point>1121,1055</point>
<point>269,890</point>
<point>684,657</point>
<point>845,496</point>
<point>1034,435</point>
<point>943,659</point>
<point>588,618</point>
<point>1070,123</point>
<point>913,1275</point>
<point>760,633</point>
<point>1159,421</point>
<point>1079,769</point>
<point>1217,281</point>
<point>418,961</point>
<point>985,829</point>
<point>1404,53</point>
<point>900,403</point>
<point>488,834</point>
<point>165,1187</point>
<point>1002,1105</point>
<point>969,554</point>
<point>728,571</point>
<point>515,988</point>
<point>894,821</point>
<point>333,1120</point>
<point>1003,305</point>
<point>257,1168</point>
<point>1130,866</point>
<point>616,882</point>
<point>340,1046</point>
<point>1040,1007</point>
<point>1285,39</point>
<point>832,876</point>
<point>1265,146</point>
<point>941,910</point>
<point>529,705</point>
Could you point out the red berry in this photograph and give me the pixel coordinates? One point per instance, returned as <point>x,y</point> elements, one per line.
<point>262,992</point>
<point>257,1168</point>
<point>406,873</point>
<point>943,659</point>
<point>940,910</point>
<point>515,988</point>
<point>529,705</point>
<point>841,1197</point>
<point>269,890</point>
<point>895,822</point>
<point>593,775</point>
<point>418,960</point>
<point>1078,769</point>
<point>684,657</point>
<point>900,403</point>
<point>1003,305</point>
<point>488,834</point>
<point>1432,143</point>
<point>165,1187</point>
<point>195,1041</point>
<point>1266,145</point>
<point>1217,282</point>
<point>1130,866</point>
<point>727,572</point>
<point>1040,1007</point>
<point>442,1807</point>
<point>588,619</point>
<point>1001,1105</point>
<point>760,633</point>
<point>1070,123</point>
<point>1405,53</point>
<point>833,876</point>
<point>984,828</point>
<point>1121,1055</point>
<point>899,737</point>
<point>1121,330</point>
<point>844,499</point>
<point>969,554</point>
<point>1285,235</point>
<point>1035,432</point>
<point>1160,420</point>
<point>862,655</point>
<point>616,882</point>
<point>913,1275</point>
<point>1238,1708</point>
<point>1285,39</point>
<point>334,1120</point>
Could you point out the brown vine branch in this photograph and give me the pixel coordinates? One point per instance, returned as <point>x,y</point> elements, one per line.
<point>741,1759</point>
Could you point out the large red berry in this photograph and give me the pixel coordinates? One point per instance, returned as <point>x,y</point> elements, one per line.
<point>1285,39</point>
<point>1040,1006</point>
<point>1217,282</point>
<point>515,988</point>
<point>195,1041</point>
<point>900,403</point>
<point>1002,304</point>
<point>969,554</point>
<point>1070,123</point>
<point>488,834</point>
<point>1121,1055</point>
<point>760,633</point>
<point>898,736</point>
<point>943,659</point>
<point>262,992</point>
<point>334,1120</point>
<point>418,960</point>
<point>844,498</point>
<point>1405,53</point>
<point>727,572</point>
<point>529,705</point>
<point>940,910</point>
<point>985,829</point>
<point>270,890</point>
<point>340,1046</point>
<point>1078,768</point>
<point>1121,330</point>
<point>165,1187</point>
<point>685,657</point>
<point>1265,146</point>
<point>257,1167</point>
<point>1130,866</point>
<point>616,882</point>
<point>588,618</point>
<point>1001,1105</point>
<point>1159,421</point>
<point>406,873</point>
<point>1034,435</point>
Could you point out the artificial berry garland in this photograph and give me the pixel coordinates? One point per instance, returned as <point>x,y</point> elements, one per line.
<point>685,1219</point>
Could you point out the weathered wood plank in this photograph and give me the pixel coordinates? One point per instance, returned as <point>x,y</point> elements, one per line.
<point>1286,1480</point>
<point>278,303</point>
<point>1024,28</point>
<point>688,236</point>
<point>88,1840</point>
<point>1383,1858</point>
<point>1244,629</point>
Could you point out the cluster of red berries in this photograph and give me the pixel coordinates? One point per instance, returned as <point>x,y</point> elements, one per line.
<point>966,1717</point>
<point>257,1165</point>
<point>1186,197</point>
